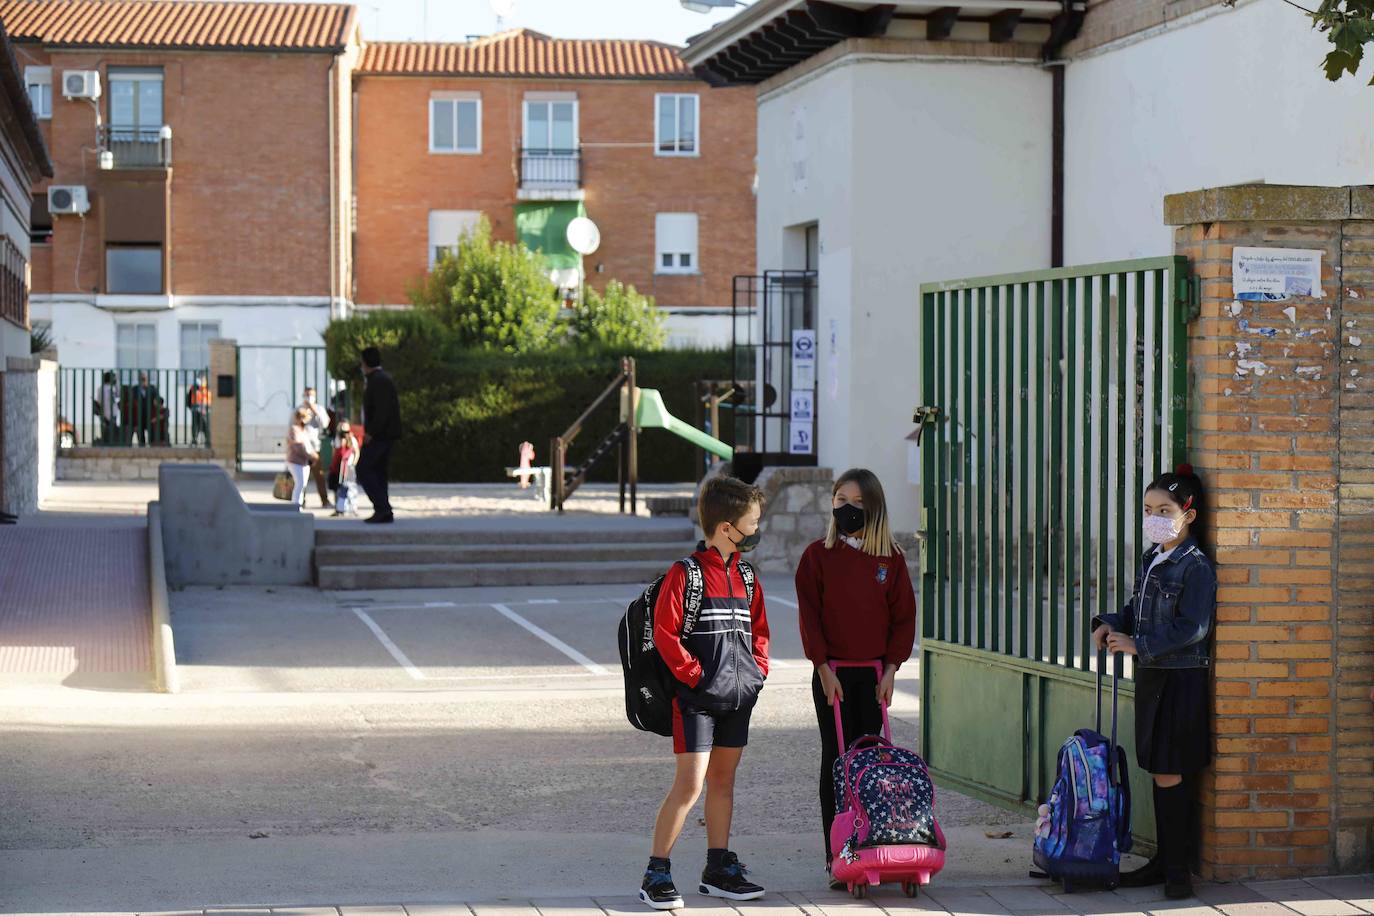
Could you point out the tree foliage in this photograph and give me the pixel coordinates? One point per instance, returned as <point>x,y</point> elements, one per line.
<point>1349,26</point>
<point>495,295</point>
<point>621,318</point>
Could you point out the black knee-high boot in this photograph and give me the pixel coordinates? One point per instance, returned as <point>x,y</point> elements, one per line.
<point>1173,813</point>
<point>1152,872</point>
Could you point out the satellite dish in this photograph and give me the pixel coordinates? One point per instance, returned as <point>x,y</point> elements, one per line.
<point>503,9</point>
<point>583,235</point>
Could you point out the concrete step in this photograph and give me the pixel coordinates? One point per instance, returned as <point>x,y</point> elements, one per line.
<point>359,535</point>
<point>447,554</point>
<point>452,575</point>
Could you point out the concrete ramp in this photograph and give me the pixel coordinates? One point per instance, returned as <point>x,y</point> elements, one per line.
<point>212,537</point>
<point>74,606</point>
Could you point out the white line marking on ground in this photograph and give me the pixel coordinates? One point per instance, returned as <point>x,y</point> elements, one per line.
<point>439,604</point>
<point>552,640</point>
<point>541,601</point>
<point>390,646</point>
<point>508,677</point>
<point>780,600</point>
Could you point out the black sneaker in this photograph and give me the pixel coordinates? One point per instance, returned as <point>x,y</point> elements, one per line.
<point>728,880</point>
<point>658,890</point>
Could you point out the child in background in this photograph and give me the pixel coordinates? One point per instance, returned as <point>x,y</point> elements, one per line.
<point>1166,627</point>
<point>346,453</point>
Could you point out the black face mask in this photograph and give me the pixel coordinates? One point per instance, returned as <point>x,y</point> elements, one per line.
<point>748,543</point>
<point>849,519</point>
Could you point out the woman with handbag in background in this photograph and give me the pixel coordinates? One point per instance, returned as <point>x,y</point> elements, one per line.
<point>299,456</point>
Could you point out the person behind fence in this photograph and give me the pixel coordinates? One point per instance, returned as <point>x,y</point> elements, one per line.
<point>108,403</point>
<point>856,603</point>
<point>346,457</point>
<point>1166,626</point>
<point>299,454</point>
<point>382,427</point>
<point>143,398</point>
<point>198,405</point>
<point>319,422</point>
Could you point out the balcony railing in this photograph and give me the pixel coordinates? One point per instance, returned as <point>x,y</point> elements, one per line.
<point>138,147</point>
<point>550,169</point>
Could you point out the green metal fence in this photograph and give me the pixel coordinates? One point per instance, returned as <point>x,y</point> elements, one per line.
<point>1049,400</point>
<point>123,408</point>
<point>271,381</point>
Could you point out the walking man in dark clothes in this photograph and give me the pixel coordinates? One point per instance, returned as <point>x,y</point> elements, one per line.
<point>381,429</point>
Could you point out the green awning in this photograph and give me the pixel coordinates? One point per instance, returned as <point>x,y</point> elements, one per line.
<point>543,227</point>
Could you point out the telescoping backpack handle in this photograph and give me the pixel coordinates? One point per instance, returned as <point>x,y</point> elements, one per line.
<point>877,666</point>
<point>1117,661</point>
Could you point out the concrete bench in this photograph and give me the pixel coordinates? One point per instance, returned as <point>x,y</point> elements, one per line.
<point>211,536</point>
<point>543,477</point>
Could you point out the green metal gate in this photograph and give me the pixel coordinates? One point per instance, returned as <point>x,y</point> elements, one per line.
<point>271,380</point>
<point>1049,400</point>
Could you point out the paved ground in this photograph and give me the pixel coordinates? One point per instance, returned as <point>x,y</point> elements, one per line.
<point>449,751</point>
<point>1349,896</point>
<point>411,501</point>
<point>74,606</point>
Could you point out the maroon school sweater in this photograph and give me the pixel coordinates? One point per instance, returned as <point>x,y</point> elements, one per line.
<point>855,606</point>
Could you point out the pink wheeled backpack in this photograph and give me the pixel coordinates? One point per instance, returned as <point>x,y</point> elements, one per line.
<point>885,828</point>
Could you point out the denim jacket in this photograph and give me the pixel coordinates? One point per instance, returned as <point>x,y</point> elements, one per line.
<point>1170,615</point>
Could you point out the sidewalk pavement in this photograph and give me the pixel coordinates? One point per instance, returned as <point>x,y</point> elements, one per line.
<point>1337,896</point>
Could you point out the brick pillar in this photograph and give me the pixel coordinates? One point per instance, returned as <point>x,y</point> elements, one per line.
<point>1264,434</point>
<point>224,425</point>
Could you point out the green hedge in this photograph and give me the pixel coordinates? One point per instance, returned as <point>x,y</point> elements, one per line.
<point>466,412</point>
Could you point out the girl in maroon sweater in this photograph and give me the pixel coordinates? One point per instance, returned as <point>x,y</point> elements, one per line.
<point>856,604</point>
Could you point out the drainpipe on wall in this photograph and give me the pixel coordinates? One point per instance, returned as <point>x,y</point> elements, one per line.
<point>333,199</point>
<point>1063,29</point>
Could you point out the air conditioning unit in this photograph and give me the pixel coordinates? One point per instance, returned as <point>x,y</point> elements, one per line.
<point>68,198</point>
<point>81,84</point>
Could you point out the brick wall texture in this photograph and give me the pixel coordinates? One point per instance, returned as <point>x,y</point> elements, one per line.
<point>250,212</point>
<point>399,181</point>
<point>1282,428</point>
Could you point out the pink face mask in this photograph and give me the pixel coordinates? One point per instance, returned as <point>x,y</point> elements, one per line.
<point>1159,529</point>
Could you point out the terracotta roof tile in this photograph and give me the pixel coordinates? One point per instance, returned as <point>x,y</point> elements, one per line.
<point>521,52</point>
<point>180,24</point>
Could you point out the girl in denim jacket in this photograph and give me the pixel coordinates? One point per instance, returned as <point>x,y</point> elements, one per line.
<point>1167,626</point>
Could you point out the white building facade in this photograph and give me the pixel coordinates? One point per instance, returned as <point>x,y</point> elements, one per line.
<point>920,148</point>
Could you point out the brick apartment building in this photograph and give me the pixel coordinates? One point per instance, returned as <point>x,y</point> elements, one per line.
<point>200,187</point>
<point>532,131</point>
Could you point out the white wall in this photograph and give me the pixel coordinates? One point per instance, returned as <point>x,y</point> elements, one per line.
<point>917,171</point>
<point>1234,96</point>
<point>85,335</point>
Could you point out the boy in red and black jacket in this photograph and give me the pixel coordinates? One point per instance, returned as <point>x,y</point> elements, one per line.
<point>720,663</point>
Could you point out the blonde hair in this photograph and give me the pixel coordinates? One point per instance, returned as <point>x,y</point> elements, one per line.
<point>877,539</point>
<point>303,416</point>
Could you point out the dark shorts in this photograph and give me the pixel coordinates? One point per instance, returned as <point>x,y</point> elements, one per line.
<point>696,730</point>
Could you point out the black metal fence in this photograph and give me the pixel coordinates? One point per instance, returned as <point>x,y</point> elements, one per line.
<point>551,169</point>
<point>133,408</point>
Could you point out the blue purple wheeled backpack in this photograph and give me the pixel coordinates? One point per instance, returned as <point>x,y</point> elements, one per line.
<point>885,827</point>
<point>1086,825</point>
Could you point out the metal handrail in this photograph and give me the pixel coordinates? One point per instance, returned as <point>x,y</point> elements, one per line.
<point>561,486</point>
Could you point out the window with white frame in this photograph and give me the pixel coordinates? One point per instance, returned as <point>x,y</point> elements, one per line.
<point>135,345</point>
<point>675,124</point>
<point>675,243</point>
<point>455,122</point>
<point>550,124</point>
<point>195,343</point>
<point>38,80</point>
<point>445,227</point>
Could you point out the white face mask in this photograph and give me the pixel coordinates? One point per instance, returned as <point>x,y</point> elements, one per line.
<point>1159,529</point>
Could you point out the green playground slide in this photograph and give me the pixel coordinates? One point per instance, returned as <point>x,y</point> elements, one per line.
<point>653,415</point>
